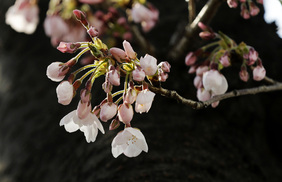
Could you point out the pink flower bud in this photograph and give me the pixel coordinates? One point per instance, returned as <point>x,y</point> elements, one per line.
<point>244,75</point>
<point>64,92</point>
<point>207,35</point>
<point>215,104</point>
<point>113,76</point>
<point>118,54</point>
<point>108,111</point>
<point>224,60</point>
<point>232,3</point>
<point>165,66</point>
<point>244,11</point>
<point>190,59</point>
<point>149,64</point>
<point>130,96</point>
<point>215,82</point>
<point>202,26</point>
<point>68,47</point>
<point>80,16</point>
<point>259,73</point>
<point>192,69</point>
<point>253,56</point>
<point>114,124</point>
<point>83,109</point>
<point>125,113</point>
<point>163,76</point>
<point>93,32</point>
<point>56,71</point>
<point>203,95</point>
<point>138,74</point>
<point>129,50</point>
<point>107,87</point>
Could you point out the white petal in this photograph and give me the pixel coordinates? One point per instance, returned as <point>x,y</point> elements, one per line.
<point>90,132</point>
<point>136,132</point>
<point>67,118</point>
<point>132,150</point>
<point>71,127</point>
<point>141,144</point>
<point>117,150</point>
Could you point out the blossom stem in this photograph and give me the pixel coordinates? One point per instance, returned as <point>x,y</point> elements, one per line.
<point>117,93</point>
<point>81,52</point>
<point>119,99</point>
<point>83,68</point>
<point>210,45</point>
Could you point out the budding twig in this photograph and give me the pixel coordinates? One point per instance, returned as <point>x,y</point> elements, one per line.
<point>200,105</point>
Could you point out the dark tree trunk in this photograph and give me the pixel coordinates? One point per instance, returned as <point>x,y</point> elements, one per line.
<point>238,141</point>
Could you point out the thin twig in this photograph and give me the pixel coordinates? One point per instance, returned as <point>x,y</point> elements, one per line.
<point>191,30</point>
<point>200,105</point>
<point>192,10</point>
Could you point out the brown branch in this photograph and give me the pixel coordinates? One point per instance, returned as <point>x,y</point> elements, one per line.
<point>191,30</point>
<point>200,105</point>
<point>192,10</point>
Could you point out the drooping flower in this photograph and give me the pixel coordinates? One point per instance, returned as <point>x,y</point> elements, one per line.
<point>144,101</point>
<point>149,64</point>
<point>125,113</point>
<point>259,73</point>
<point>23,16</point>
<point>56,71</point>
<point>89,125</point>
<point>113,76</point>
<point>108,111</point>
<point>131,142</point>
<point>215,82</point>
<point>64,92</point>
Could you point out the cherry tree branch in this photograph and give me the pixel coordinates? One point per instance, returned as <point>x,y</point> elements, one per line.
<point>192,10</point>
<point>200,105</point>
<point>191,30</point>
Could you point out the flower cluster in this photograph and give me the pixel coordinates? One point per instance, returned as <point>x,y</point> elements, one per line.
<point>248,7</point>
<point>207,64</point>
<point>60,24</point>
<point>114,63</point>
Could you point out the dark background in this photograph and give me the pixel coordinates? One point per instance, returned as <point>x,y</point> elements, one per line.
<point>238,141</point>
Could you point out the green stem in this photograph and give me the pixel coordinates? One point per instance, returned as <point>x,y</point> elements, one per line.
<point>117,93</point>
<point>80,54</point>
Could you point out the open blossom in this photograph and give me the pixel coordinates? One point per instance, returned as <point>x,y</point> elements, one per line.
<point>147,17</point>
<point>144,101</point>
<point>23,16</point>
<point>138,74</point>
<point>149,64</point>
<point>215,82</point>
<point>131,142</point>
<point>259,73</point>
<point>64,92</point>
<point>108,111</point>
<point>89,125</point>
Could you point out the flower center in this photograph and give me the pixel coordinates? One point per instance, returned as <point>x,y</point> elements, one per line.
<point>132,140</point>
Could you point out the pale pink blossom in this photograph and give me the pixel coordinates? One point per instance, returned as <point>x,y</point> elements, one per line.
<point>55,71</point>
<point>254,10</point>
<point>203,94</point>
<point>83,109</point>
<point>165,66</point>
<point>201,70</point>
<point>232,3</point>
<point>125,113</point>
<point>129,50</point>
<point>23,16</point>
<point>190,59</point>
<point>108,111</point>
<point>147,17</point>
<point>162,76</point>
<point>198,82</point>
<point>60,30</point>
<point>149,64</point>
<point>113,76</point>
<point>215,82</point>
<point>130,96</point>
<point>253,56</point>
<point>224,60</point>
<point>131,142</point>
<point>118,54</point>
<point>65,92</point>
<point>244,75</point>
<point>138,74</point>
<point>259,73</point>
<point>89,125</point>
<point>144,101</point>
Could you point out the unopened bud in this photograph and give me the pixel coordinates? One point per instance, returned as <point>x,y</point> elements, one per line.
<point>68,47</point>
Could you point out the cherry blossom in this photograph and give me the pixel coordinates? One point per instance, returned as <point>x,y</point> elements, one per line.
<point>89,125</point>
<point>54,72</point>
<point>108,111</point>
<point>129,50</point>
<point>144,101</point>
<point>23,16</point>
<point>64,92</point>
<point>215,82</point>
<point>131,142</point>
<point>149,64</point>
<point>259,73</point>
<point>125,113</point>
<point>138,74</point>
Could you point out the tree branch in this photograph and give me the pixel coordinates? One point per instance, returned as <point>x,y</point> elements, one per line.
<point>191,30</point>
<point>192,10</point>
<point>200,105</point>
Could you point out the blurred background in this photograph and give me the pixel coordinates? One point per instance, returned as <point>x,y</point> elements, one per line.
<point>240,140</point>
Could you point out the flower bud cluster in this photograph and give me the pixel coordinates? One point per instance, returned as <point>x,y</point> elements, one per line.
<point>248,8</point>
<point>218,55</point>
<point>119,106</point>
